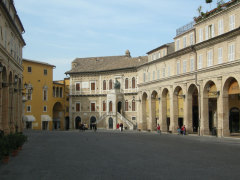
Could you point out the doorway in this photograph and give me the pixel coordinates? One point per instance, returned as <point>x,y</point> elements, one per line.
<point>234,120</point>
<point>120,107</point>
<point>110,123</point>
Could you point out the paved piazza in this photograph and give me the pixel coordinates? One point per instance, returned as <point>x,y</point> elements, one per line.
<point>126,155</point>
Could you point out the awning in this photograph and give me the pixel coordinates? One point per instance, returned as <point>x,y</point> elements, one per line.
<point>46,118</point>
<point>30,118</point>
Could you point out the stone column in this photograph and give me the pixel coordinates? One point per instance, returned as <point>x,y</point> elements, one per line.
<point>150,116</point>
<point>5,109</point>
<point>163,113</point>
<point>204,124</point>
<point>173,111</point>
<point>139,112</point>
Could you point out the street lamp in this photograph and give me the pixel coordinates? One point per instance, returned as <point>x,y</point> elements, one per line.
<point>180,95</point>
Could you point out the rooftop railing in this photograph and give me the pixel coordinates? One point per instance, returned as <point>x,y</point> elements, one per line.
<point>185,28</point>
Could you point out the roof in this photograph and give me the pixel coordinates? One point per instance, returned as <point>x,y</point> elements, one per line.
<point>160,47</point>
<point>38,62</point>
<point>106,63</point>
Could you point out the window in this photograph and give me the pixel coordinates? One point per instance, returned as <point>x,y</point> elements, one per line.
<point>93,107</point>
<point>158,74</point>
<point>163,72</point>
<point>133,83</point>
<point>184,41</point>
<point>152,57</point>
<point>77,86</point>
<point>164,52</point>
<point>29,94</point>
<point>77,107</point>
<point>211,32</point>
<point>92,86</point>
<point>231,22</point>
<point>45,71</point>
<point>220,27</point>
<point>209,58</point>
<point>28,108</point>
<point>144,77</point>
<point>191,39</point>
<point>134,118</point>
<point>126,105</point>
<point>220,55</point>
<point>200,61</point>
<point>29,69</point>
<point>178,44</point>
<point>104,106</point>
<point>231,52</point>
<point>61,92</point>
<point>110,84</point>
<point>178,67</point>
<point>159,55</point>
<point>57,92</point>
<point>192,64</point>
<point>184,66</point>
<point>44,108</point>
<point>206,33</point>
<point>104,85</point>
<point>133,105</point>
<point>45,95</point>
<point>169,71</point>
<point>54,91</point>
<point>126,83</point>
<point>110,106</point>
<point>153,75</point>
<point>201,35</point>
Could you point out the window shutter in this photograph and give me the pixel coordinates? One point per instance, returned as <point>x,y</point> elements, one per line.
<point>206,32</point>
<point>213,33</point>
<point>229,53</point>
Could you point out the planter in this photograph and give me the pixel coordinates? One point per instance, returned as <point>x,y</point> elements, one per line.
<point>5,159</point>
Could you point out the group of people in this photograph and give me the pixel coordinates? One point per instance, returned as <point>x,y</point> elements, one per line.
<point>181,130</point>
<point>83,127</point>
<point>120,126</point>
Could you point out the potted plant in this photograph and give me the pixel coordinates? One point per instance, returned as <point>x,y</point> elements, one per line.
<point>12,138</point>
<point>4,149</point>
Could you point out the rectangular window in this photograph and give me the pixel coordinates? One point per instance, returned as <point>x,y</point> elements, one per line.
<point>201,35</point>
<point>178,44</point>
<point>152,57</point>
<point>92,86</point>
<point>192,64</point>
<point>220,55</point>
<point>231,22</point>
<point>149,76</point>
<point>144,77</point>
<point>29,108</point>
<point>45,95</point>
<point>209,58</point>
<point>159,55</point>
<point>200,61</point>
<point>231,52</point>
<point>191,39</point>
<point>93,107</point>
<point>169,71</point>
<point>153,75</point>
<point>163,72</point>
<point>220,27</point>
<point>77,107</point>
<point>44,108</point>
<point>158,74</point>
<point>134,118</point>
<point>29,94</point>
<point>45,72</point>
<point>184,66</point>
<point>184,41</point>
<point>77,85</point>
<point>178,67</point>
<point>104,106</point>
<point>29,69</point>
<point>164,52</point>
<point>206,33</point>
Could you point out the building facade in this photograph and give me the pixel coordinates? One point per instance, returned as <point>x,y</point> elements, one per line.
<point>11,44</point>
<point>193,81</point>
<point>45,99</point>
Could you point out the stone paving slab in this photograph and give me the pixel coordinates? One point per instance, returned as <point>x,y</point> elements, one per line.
<point>123,155</point>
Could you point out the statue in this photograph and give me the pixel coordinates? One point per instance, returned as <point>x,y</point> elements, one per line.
<point>117,84</point>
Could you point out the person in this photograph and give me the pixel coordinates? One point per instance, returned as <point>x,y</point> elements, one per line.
<point>95,127</point>
<point>80,126</point>
<point>158,129</point>
<point>183,129</point>
<point>121,127</point>
<point>117,125</point>
<point>178,130</point>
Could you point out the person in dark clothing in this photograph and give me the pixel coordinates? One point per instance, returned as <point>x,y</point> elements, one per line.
<point>121,126</point>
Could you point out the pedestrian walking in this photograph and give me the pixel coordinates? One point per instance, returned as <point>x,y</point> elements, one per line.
<point>179,130</point>
<point>158,129</point>
<point>121,127</point>
<point>183,129</point>
<point>117,125</point>
<point>95,127</point>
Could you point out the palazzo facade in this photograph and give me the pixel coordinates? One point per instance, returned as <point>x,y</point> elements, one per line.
<point>193,81</point>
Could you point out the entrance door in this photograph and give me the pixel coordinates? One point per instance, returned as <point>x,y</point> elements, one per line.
<point>92,121</point>
<point>45,125</point>
<point>168,123</point>
<point>77,121</point>
<point>180,122</point>
<point>120,107</point>
<point>234,120</point>
<point>195,118</point>
<point>110,123</point>
<point>67,123</point>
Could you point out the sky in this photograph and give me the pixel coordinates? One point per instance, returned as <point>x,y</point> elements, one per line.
<point>58,31</point>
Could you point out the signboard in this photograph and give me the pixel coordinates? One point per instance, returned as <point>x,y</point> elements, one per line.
<point>85,85</point>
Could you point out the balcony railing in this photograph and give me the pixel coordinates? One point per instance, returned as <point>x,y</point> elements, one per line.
<point>185,28</point>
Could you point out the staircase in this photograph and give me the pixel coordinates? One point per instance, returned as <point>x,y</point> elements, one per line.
<point>102,118</point>
<point>129,123</point>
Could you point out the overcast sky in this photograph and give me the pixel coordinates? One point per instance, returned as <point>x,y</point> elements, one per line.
<point>58,31</point>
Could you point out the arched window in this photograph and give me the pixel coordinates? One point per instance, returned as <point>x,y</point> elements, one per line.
<point>104,106</point>
<point>104,85</point>
<point>133,83</point>
<point>126,105</point>
<point>110,84</point>
<point>126,83</point>
<point>110,106</point>
<point>133,105</point>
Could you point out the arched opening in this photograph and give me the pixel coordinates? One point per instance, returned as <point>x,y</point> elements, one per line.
<point>210,112</point>
<point>133,83</point>
<point>234,120</point>
<point>165,123</point>
<point>110,123</point>
<point>145,111</point>
<point>93,120</point>
<point>155,109</point>
<point>178,106</point>
<point>78,120</point>
<point>120,107</point>
<point>193,115</point>
<point>57,115</point>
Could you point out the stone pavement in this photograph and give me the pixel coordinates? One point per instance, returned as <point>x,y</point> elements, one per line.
<point>127,155</point>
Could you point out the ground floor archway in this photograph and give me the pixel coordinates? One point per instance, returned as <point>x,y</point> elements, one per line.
<point>110,123</point>
<point>234,120</point>
<point>93,120</point>
<point>77,122</point>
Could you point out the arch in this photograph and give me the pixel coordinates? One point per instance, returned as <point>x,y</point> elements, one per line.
<point>154,109</point>
<point>133,83</point>
<point>78,120</point>
<point>93,120</point>
<point>4,74</point>
<point>178,108</point>
<point>58,112</point>
<point>193,109</point>
<point>110,123</point>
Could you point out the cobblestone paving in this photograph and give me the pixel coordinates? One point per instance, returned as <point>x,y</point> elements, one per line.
<point>127,155</point>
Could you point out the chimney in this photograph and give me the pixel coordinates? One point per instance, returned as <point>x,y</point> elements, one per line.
<point>127,53</point>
